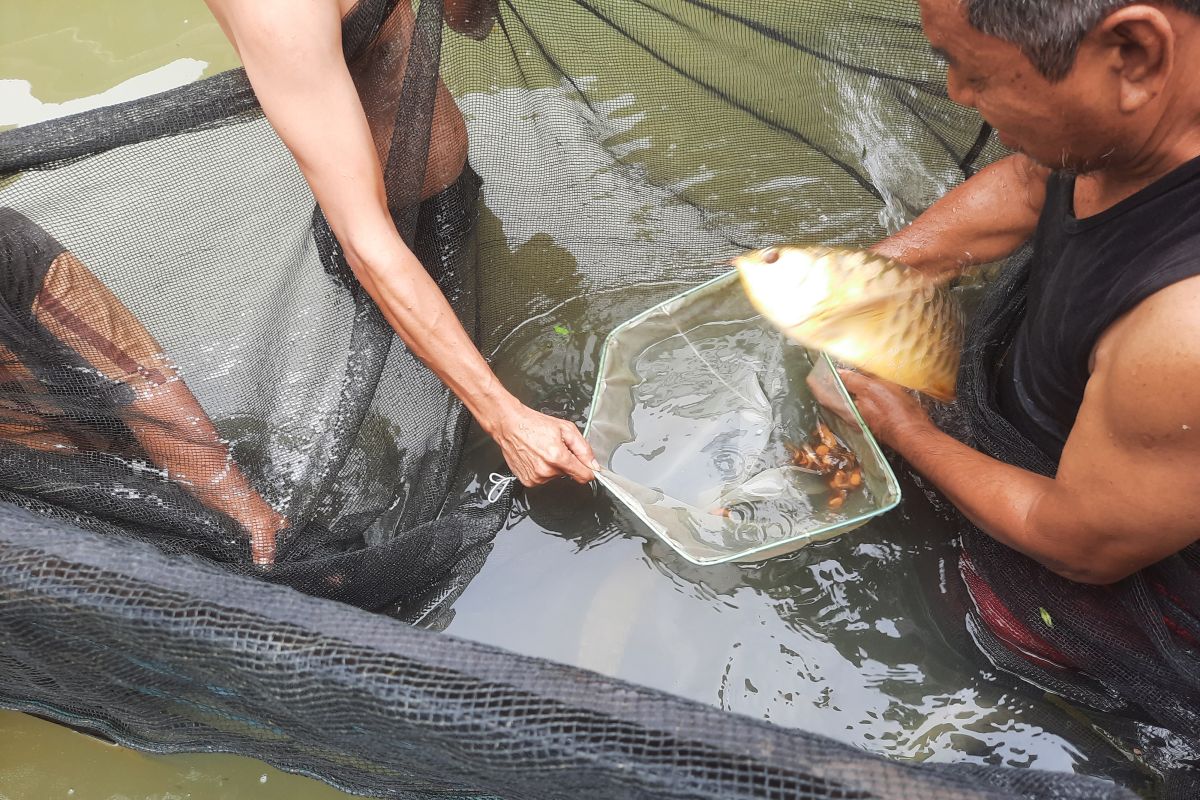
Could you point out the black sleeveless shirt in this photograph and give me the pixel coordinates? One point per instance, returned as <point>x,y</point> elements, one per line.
<point>1085,274</point>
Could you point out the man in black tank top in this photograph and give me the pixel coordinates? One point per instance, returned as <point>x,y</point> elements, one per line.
<point>1080,385</point>
<point>1103,371</point>
<point>1085,275</point>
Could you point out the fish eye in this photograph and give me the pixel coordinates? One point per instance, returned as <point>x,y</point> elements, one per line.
<point>770,255</point>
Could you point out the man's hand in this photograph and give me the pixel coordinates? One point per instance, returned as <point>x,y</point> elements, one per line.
<point>264,525</point>
<point>1124,494</point>
<point>538,447</point>
<point>889,410</point>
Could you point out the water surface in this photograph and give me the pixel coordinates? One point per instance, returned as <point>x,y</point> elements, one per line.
<point>860,638</point>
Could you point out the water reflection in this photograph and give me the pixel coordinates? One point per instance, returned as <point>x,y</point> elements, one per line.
<point>859,638</point>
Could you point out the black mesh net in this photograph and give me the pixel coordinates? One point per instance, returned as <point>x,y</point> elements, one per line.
<point>189,360</point>
<point>199,401</point>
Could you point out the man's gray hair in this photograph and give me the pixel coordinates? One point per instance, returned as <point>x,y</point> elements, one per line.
<point>1049,31</point>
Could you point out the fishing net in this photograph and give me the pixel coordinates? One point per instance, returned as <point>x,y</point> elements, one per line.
<point>701,421</point>
<point>189,367</point>
<point>188,360</point>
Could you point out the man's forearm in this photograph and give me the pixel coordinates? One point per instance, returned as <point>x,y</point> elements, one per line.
<point>984,219</point>
<point>999,498</point>
<point>416,309</point>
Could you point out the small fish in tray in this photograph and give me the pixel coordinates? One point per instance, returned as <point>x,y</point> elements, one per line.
<point>827,455</point>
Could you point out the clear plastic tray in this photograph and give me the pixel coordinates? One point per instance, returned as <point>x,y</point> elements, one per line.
<point>696,405</point>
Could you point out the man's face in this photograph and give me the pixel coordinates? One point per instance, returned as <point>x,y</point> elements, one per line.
<point>1073,124</point>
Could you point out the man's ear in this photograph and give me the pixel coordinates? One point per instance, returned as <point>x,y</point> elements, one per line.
<point>1140,44</point>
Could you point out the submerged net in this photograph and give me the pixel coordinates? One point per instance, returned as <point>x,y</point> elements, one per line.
<point>189,365</point>
<point>188,360</point>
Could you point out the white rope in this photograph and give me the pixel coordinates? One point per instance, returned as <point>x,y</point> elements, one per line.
<point>499,484</point>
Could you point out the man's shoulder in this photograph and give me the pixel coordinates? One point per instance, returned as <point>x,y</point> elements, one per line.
<point>1148,364</point>
<point>1164,325</point>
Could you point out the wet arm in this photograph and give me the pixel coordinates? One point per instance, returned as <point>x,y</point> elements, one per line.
<point>983,219</point>
<point>1125,493</point>
<point>293,56</point>
<point>165,417</point>
<point>292,53</point>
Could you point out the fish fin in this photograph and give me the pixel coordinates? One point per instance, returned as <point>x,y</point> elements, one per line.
<point>866,313</point>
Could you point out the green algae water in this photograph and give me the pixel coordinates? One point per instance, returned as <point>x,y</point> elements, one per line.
<point>40,760</point>
<point>66,56</point>
<point>848,638</point>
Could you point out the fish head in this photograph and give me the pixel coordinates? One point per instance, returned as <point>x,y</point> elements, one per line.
<point>788,285</point>
<point>860,307</point>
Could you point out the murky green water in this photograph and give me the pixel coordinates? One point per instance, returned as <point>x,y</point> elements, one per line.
<point>64,56</point>
<point>858,638</point>
<point>43,761</point>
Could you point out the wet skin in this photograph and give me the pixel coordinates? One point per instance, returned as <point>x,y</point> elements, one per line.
<point>1127,113</point>
<point>292,53</point>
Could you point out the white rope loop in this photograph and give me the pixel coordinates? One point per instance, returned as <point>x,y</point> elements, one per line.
<point>499,484</point>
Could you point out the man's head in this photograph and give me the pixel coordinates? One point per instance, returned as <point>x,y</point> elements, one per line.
<point>1049,33</point>
<point>1075,84</point>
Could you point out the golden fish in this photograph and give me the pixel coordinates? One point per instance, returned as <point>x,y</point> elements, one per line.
<point>863,309</point>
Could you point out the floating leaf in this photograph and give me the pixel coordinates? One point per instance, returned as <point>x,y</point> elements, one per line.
<point>1046,617</point>
<point>562,330</point>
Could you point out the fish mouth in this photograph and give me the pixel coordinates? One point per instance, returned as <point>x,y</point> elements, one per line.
<point>765,255</point>
<point>742,261</point>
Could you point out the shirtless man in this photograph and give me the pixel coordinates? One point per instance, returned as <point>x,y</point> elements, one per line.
<point>1101,102</point>
<point>292,52</point>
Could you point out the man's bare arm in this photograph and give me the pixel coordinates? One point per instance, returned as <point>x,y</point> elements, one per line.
<point>1124,495</point>
<point>983,219</point>
<point>293,56</point>
<point>169,423</point>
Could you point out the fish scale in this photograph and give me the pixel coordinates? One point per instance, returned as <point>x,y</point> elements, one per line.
<point>863,308</point>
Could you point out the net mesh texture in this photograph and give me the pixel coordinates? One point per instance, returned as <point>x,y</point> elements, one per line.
<point>188,362</point>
